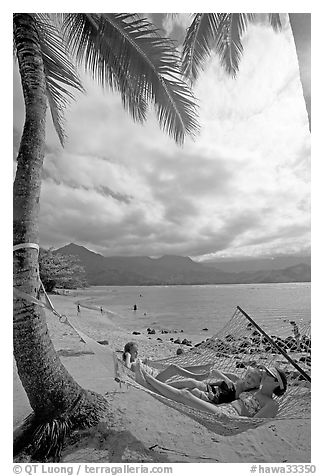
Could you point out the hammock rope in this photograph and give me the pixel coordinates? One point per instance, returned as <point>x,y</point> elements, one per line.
<point>275,345</point>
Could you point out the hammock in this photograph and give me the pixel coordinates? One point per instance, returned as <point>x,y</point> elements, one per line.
<point>239,344</point>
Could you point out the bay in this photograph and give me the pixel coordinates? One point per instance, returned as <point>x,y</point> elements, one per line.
<point>194,308</point>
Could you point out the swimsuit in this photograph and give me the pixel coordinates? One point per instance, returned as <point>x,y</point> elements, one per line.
<point>250,402</point>
<point>220,393</point>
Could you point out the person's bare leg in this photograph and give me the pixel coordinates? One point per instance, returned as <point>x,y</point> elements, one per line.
<point>188,383</point>
<point>180,395</point>
<point>169,372</point>
<point>173,370</point>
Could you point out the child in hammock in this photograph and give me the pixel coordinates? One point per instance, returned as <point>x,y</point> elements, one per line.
<point>130,358</point>
<point>212,386</point>
<point>130,355</point>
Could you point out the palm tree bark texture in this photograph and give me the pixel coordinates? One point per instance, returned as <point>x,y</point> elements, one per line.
<point>301,29</point>
<point>56,399</point>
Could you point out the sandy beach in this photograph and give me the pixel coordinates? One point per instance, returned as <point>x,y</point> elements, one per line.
<point>140,428</point>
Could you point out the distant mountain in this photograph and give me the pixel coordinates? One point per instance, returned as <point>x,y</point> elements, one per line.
<point>98,270</point>
<point>142,270</point>
<point>257,264</point>
<point>292,274</point>
<point>171,269</point>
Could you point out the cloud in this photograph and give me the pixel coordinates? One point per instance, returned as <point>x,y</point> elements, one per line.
<point>240,189</point>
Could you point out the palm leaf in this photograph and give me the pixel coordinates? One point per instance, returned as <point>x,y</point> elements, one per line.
<point>60,75</point>
<point>274,20</point>
<point>85,37</point>
<point>229,34</point>
<point>198,43</point>
<point>126,53</point>
<point>173,16</point>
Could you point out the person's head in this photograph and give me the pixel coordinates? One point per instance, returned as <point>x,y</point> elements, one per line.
<point>274,380</point>
<point>132,349</point>
<point>252,378</point>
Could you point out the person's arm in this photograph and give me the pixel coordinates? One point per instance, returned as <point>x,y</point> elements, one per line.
<point>128,360</point>
<point>269,410</point>
<point>233,377</point>
<point>228,377</point>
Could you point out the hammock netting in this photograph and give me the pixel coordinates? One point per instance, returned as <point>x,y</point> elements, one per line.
<point>241,343</point>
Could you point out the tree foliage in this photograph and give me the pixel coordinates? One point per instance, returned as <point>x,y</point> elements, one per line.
<point>123,52</point>
<point>220,33</point>
<point>60,271</point>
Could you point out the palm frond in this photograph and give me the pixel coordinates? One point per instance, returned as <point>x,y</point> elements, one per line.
<point>126,53</point>
<point>198,43</point>
<point>229,46</point>
<point>173,16</point>
<point>83,33</point>
<point>275,21</point>
<point>60,75</point>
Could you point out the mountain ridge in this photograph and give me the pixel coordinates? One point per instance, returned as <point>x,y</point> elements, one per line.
<point>172,270</point>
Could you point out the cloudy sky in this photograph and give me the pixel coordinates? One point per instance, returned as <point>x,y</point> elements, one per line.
<point>241,189</point>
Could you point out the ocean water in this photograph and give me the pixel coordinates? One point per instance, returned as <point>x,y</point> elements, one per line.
<point>192,308</point>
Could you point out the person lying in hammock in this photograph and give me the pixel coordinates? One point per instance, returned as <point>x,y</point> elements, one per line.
<point>212,386</point>
<point>258,405</point>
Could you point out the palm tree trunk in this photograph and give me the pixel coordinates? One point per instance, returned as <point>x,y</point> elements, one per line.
<point>301,29</point>
<point>53,394</point>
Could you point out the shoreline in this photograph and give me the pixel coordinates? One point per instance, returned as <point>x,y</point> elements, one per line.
<point>161,333</point>
<point>139,422</point>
